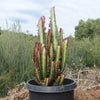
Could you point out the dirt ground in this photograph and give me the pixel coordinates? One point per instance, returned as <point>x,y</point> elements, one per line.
<point>86,95</point>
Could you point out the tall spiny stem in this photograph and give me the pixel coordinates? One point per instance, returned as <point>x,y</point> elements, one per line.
<point>41,28</point>
<point>44,62</point>
<point>64,54</point>
<point>58,53</point>
<point>54,28</point>
<point>51,52</point>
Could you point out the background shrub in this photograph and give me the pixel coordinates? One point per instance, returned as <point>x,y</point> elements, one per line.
<point>16,50</point>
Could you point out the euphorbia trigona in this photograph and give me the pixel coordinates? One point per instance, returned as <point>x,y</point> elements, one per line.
<point>50,53</point>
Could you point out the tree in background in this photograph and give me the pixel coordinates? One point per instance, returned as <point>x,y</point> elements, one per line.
<point>88,28</point>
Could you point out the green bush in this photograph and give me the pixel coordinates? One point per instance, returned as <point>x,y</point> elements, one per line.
<point>84,52</point>
<point>15,57</point>
<point>6,83</point>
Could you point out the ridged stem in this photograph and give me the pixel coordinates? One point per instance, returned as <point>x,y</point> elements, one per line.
<point>38,54</point>
<point>54,28</point>
<point>57,81</point>
<point>46,81</point>
<point>58,53</point>
<point>51,52</point>
<point>51,76</point>
<point>44,62</point>
<point>61,79</point>
<point>64,54</point>
<point>41,30</point>
<point>37,74</point>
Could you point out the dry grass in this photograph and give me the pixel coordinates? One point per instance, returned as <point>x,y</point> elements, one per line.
<point>86,78</point>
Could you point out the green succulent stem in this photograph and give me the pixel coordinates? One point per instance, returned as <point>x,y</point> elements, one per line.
<point>41,31</point>
<point>51,52</point>
<point>57,81</point>
<point>61,79</point>
<point>44,62</point>
<point>46,81</point>
<point>64,54</point>
<point>61,35</point>
<point>54,28</point>
<point>51,76</point>
<point>37,74</point>
<point>38,54</point>
<point>58,53</point>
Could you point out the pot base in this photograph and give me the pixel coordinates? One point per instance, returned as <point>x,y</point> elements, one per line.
<point>52,96</point>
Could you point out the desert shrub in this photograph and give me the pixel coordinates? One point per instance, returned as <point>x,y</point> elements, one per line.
<point>16,51</point>
<point>6,83</point>
<point>84,52</point>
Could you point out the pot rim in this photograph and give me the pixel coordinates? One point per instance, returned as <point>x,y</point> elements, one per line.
<point>52,89</point>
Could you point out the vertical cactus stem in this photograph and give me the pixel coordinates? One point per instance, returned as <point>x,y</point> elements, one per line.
<point>46,81</point>
<point>37,62</point>
<point>41,30</point>
<point>44,62</point>
<point>38,54</point>
<point>57,81</point>
<point>45,42</point>
<point>54,28</point>
<point>51,76</point>
<point>58,53</point>
<point>47,65</point>
<point>61,79</point>
<point>56,69</point>
<point>48,38</point>
<point>64,54</point>
<point>51,52</point>
<point>34,55</point>
<point>61,35</point>
<point>37,74</point>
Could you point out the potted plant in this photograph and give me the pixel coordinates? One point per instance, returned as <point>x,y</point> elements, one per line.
<point>49,58</point>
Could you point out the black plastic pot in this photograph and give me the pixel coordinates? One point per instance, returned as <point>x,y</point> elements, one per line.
<point>64,92</point>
